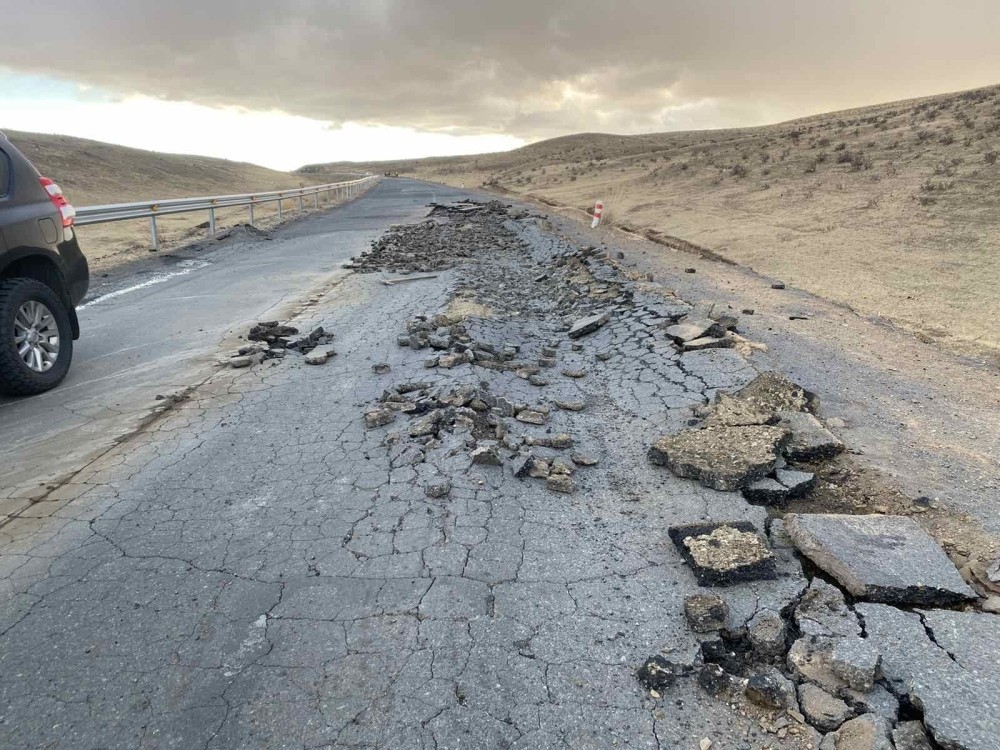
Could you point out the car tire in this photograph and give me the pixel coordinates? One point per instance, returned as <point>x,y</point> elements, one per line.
<point>36,338</point>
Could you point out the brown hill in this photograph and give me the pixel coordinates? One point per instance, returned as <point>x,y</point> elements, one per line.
<point>892,209</point>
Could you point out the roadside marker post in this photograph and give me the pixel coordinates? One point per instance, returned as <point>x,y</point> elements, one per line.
<point>598,212</point>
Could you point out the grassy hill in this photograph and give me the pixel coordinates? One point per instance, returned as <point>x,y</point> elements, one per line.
<point>892,209</point>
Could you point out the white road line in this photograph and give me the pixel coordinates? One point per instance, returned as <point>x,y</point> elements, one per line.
<point>186,266</point>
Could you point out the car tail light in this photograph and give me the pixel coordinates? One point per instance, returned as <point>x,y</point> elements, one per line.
<point>59,201</point>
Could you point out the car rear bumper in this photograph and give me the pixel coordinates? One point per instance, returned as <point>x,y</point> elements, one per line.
<point>75,269</point>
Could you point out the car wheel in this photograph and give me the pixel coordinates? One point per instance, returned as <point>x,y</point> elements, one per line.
<point>36,338</point>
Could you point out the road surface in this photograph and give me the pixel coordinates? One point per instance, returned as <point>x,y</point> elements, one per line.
<point>263,566</point>
<point>158,331</point>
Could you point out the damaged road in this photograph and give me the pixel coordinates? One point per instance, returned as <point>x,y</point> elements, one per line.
<point>517,509</point>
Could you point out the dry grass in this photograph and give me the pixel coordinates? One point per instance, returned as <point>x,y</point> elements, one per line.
<point>93,173</point>
<point>893,210</point>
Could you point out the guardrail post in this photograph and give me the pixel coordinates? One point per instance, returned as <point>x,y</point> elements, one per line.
<point>154,235</point>
<point>302,206</point>
<point>211,222</point>
<point>251,212</point>
<point>279,208</point>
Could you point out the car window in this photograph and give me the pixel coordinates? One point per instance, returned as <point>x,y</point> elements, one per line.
<point>4,174</point>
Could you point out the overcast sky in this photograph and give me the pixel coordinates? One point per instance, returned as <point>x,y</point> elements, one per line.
<point>292,81</point>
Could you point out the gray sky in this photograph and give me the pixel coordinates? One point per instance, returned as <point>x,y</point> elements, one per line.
<point>528,69</point>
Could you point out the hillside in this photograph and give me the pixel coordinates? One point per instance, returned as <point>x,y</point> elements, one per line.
<point>92,173</point>
<point>892,209</point>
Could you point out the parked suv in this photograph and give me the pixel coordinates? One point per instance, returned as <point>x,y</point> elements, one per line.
<point>43,276</point>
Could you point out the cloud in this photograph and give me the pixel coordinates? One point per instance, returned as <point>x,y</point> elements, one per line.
<point>525,68</point>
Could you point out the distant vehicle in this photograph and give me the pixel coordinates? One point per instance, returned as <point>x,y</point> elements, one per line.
<point>43,276</point>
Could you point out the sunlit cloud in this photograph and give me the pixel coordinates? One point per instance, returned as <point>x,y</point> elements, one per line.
<point>272,139</point>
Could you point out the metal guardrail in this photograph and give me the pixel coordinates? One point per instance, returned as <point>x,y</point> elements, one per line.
<point>152,209</point>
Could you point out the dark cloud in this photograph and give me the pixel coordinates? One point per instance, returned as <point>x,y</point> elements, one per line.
<point>529,68</point>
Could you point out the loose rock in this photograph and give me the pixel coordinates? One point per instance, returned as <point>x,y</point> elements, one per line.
<point>658,672</point>
<point>867,732</point>
<point>767,633</point>
<point>560,483</point>
<point>771,689</point>
<point>441,489</point>
<point>706,613</point>
<point>821,709</point>
<point>379,418</point>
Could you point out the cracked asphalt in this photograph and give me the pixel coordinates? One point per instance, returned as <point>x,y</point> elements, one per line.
<point>296,556</point>
<point>252,569</point>
<point>155,328</point>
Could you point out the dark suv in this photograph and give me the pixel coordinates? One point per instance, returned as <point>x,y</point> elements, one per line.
<point>43,276</point>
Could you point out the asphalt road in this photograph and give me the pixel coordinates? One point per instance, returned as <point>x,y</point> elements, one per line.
<point>157,329</point>
<point>264,568</point>
<point>260,570</point>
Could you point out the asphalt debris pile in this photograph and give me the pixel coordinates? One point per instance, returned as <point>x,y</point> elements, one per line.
<point>528,324</point>
<point>273,340</point>
<point>859,670</point>
<point>440,242</point>
<point>467,420</point>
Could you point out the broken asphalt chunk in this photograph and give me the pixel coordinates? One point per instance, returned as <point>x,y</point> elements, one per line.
<point>587,325</point>
<point>320,355</point>
<point>823,611</point>
<point>529,416</point>
<point>771,689</point>
<point>855,661</point>
<point>823,711</point>
<point>724,553</point>
<point>785,485</point>
<point>706,613</point>
<point>888,559</point>
<point>438,489</point>
<point>658,672</point>
<point>486,455</point>
<point>379,418</point>
<point>810,439</point>
<point>867,732</point>
<point>766,631</point>
<point>723,458</point>
<point>560,483</point>
<point>946,663</point>
<point>692,330</point>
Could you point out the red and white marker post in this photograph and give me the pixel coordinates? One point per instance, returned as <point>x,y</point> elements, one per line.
<point>598,212</point>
